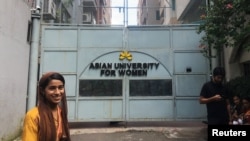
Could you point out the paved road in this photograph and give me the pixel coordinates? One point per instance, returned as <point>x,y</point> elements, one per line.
<point>134,136</point>
<point>154,132</point>
<point>138,131</point>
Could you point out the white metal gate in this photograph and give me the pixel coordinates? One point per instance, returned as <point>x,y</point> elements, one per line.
<point>127,73</point>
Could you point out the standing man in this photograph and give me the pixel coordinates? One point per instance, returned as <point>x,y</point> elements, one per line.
<point>215,96</point>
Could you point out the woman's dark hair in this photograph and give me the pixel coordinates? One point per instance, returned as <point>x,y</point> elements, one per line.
<point>46,78</point>
<point>47,128</point>
<point>219,71</point>
<point>247,98</point>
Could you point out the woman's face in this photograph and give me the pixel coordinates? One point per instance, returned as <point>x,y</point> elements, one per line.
<point>54,91</point>
<point>246,104</point>
<point>236,100</point>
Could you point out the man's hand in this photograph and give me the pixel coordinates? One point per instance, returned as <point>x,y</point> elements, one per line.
<point>217,97</point>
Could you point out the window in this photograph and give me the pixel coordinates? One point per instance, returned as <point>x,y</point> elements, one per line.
<point>100,88</point>
<point>150,87</point>
<point>29,32</point>
<point>158,16</point>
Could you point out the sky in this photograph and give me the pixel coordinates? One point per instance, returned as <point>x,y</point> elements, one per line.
<point>118,15</point>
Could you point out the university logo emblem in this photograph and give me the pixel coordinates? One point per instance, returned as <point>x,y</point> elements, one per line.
<point>125,55</point>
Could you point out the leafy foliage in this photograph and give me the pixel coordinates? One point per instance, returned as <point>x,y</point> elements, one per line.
<point>239,86</point>
<point>226,24</point>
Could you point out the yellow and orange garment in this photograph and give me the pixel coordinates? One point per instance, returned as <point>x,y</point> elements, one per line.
<point>31,122</point>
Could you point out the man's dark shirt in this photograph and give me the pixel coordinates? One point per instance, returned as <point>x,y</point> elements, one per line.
<point>217,110</point>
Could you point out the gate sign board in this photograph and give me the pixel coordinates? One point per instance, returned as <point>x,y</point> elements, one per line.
<point>122,69</point>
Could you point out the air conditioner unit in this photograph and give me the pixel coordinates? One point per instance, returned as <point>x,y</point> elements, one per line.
<point>86,18</point>
<point>89,5</point>
<point>49,10</point>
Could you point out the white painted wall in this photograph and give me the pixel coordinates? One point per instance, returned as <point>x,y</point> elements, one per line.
<point>14,60</point>
<point>180,7</point>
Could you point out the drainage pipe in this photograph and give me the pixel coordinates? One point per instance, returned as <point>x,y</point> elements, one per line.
<point>33,66</point>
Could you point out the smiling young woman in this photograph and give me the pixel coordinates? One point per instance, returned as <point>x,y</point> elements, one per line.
<point>48,120</point>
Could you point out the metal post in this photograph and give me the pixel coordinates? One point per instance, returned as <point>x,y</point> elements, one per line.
<point>126,15</point>
<point>33,67</point>
<point>124,18</point>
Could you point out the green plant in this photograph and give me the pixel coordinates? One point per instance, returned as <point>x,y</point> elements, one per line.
<point>239,86</point>
<point>226,23</point>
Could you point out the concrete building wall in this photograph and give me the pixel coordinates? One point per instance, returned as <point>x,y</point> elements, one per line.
<point>108,12</point>
<point>180,7</point>
<point>232,64</point>
<point>147,13</point>
<point>152,7</point>
<point>234,60</point>
<point>14,59</point>
<point>171,12</point>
